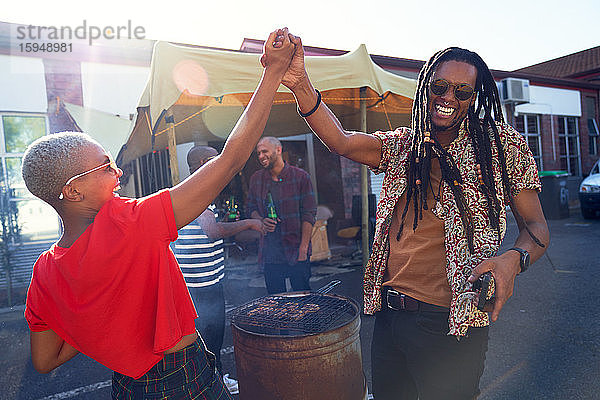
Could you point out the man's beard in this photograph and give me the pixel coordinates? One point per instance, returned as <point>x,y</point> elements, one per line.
<point>270,163</point>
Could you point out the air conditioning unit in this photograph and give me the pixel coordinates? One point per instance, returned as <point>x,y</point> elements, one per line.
<point>514,90</point>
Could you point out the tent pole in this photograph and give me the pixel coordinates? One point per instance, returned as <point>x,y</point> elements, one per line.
<point>364,186</point>
<point>172,148</point>
<point>310,157</point>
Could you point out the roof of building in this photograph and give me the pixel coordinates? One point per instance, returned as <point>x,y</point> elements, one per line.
<point>570,66</point>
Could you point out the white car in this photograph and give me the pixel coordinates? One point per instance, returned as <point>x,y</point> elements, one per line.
<point>589,193</point>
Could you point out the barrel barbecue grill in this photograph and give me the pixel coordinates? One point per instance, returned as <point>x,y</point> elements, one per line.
<point>298,346</point>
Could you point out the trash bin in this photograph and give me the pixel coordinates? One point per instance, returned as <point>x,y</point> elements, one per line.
<point>555,194</point>
<point>299,346</point>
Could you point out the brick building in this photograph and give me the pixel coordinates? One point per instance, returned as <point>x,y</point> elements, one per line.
<point>583,67</point>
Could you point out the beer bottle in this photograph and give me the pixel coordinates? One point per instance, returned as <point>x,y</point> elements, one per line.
<point>233,214</point>
<point>271,213</point>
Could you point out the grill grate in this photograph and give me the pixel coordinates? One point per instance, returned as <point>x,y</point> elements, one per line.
<point>294,314</point>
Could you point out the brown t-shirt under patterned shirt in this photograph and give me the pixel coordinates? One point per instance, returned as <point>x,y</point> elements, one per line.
<point>417,262</point>
<point>460,261</point>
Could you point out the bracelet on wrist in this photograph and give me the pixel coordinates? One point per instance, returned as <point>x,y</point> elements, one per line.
<point>311,112</point>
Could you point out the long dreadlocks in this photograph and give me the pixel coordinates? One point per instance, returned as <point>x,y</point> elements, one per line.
<point>482,131</point>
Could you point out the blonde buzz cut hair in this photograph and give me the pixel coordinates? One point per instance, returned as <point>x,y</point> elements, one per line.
<point>51,160</point>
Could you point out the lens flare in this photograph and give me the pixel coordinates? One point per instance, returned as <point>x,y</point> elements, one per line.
<point>189,76</point>
<point>220,120</point>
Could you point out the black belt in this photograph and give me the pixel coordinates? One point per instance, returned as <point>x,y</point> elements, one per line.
<point>391,299</point>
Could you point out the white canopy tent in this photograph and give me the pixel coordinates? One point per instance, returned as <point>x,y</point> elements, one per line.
<point>206,91</point>
<point>197,94</point>
<point>108,129</point>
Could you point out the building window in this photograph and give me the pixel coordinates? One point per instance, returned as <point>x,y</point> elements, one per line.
<point>20,131</point>
<point>529,126</point>
<point>592,125</point>
<point>568,138</point>
<point>593,136</point>
<point>37,220</point>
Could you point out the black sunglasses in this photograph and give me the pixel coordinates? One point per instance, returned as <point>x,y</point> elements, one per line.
<point>462,91</point>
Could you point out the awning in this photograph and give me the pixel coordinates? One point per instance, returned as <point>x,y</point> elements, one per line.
<point>206,90</point>
<point>108,129</point>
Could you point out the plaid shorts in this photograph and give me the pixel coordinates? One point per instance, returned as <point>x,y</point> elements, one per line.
<point>189,373</point>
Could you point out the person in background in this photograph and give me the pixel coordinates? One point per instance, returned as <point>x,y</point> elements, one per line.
<point>200,254</point>
<point>440,222</point>
<point>111,287</point>
<point>281,196</point>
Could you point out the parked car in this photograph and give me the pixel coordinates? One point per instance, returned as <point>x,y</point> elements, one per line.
<point>589,193</point>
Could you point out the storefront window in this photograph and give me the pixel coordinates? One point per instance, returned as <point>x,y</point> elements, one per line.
<point>37,220</point>
<point>592,125</point>
<point>529,126</point>
<point>13,172</point>
<point>593,137</point>
<point>20,131</point>
<point>568,134</point>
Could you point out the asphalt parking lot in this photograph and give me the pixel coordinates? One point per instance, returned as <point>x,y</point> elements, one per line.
<point>545,345</point>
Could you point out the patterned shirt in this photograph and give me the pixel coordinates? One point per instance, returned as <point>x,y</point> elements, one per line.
<point>202,260</point>
<point>296,204</point>
<point>523,174</point>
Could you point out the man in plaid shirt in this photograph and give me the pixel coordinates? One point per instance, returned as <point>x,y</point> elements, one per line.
<point>285,249</point>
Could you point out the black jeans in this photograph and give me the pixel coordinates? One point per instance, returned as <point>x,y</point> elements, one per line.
<point>412,356</point>
<point>210,306</point>
<point>298,273</point>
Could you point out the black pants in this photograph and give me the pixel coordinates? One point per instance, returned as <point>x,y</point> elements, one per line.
<point>412,356</point>
<point>210,306</point>
<point>298,273</point>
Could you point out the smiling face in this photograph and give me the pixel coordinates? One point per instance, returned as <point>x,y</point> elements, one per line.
<point>446,111</point>
<point>268,154</point>
<point>99,186</point>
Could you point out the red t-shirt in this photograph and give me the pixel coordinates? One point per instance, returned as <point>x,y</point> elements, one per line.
<point>117,294</point>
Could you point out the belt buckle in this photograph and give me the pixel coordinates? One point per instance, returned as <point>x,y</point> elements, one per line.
<point>398,294</point>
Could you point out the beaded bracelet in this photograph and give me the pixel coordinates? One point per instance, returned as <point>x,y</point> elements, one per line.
<point>304,115</point>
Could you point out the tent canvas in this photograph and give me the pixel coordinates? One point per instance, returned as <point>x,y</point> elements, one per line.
<point>206,91</point>
<point>198,94</point>
<point>108,129</point>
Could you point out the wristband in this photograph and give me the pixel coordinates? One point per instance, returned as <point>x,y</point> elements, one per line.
<point>524,258</point>
<point>311,112</point>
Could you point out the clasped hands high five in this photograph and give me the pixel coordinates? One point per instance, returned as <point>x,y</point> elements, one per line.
<point>276,52</point>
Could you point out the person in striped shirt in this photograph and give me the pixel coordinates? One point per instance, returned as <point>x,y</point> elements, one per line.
<point>199,252</point>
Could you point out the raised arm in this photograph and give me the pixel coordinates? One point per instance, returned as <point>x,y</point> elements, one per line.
<point>191,197</point>
<point>357,146</point>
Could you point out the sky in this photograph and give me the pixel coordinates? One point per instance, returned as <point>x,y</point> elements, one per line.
<point>508,34</point>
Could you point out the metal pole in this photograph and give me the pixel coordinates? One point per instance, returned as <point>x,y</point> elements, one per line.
<point>310,158</point>
<point>364,187</point>
<point>174,165</point>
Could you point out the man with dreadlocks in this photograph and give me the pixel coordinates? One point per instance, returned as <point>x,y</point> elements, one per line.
<point>440,222</point>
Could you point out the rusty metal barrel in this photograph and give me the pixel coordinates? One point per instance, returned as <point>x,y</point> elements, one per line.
<point>298,346</point>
